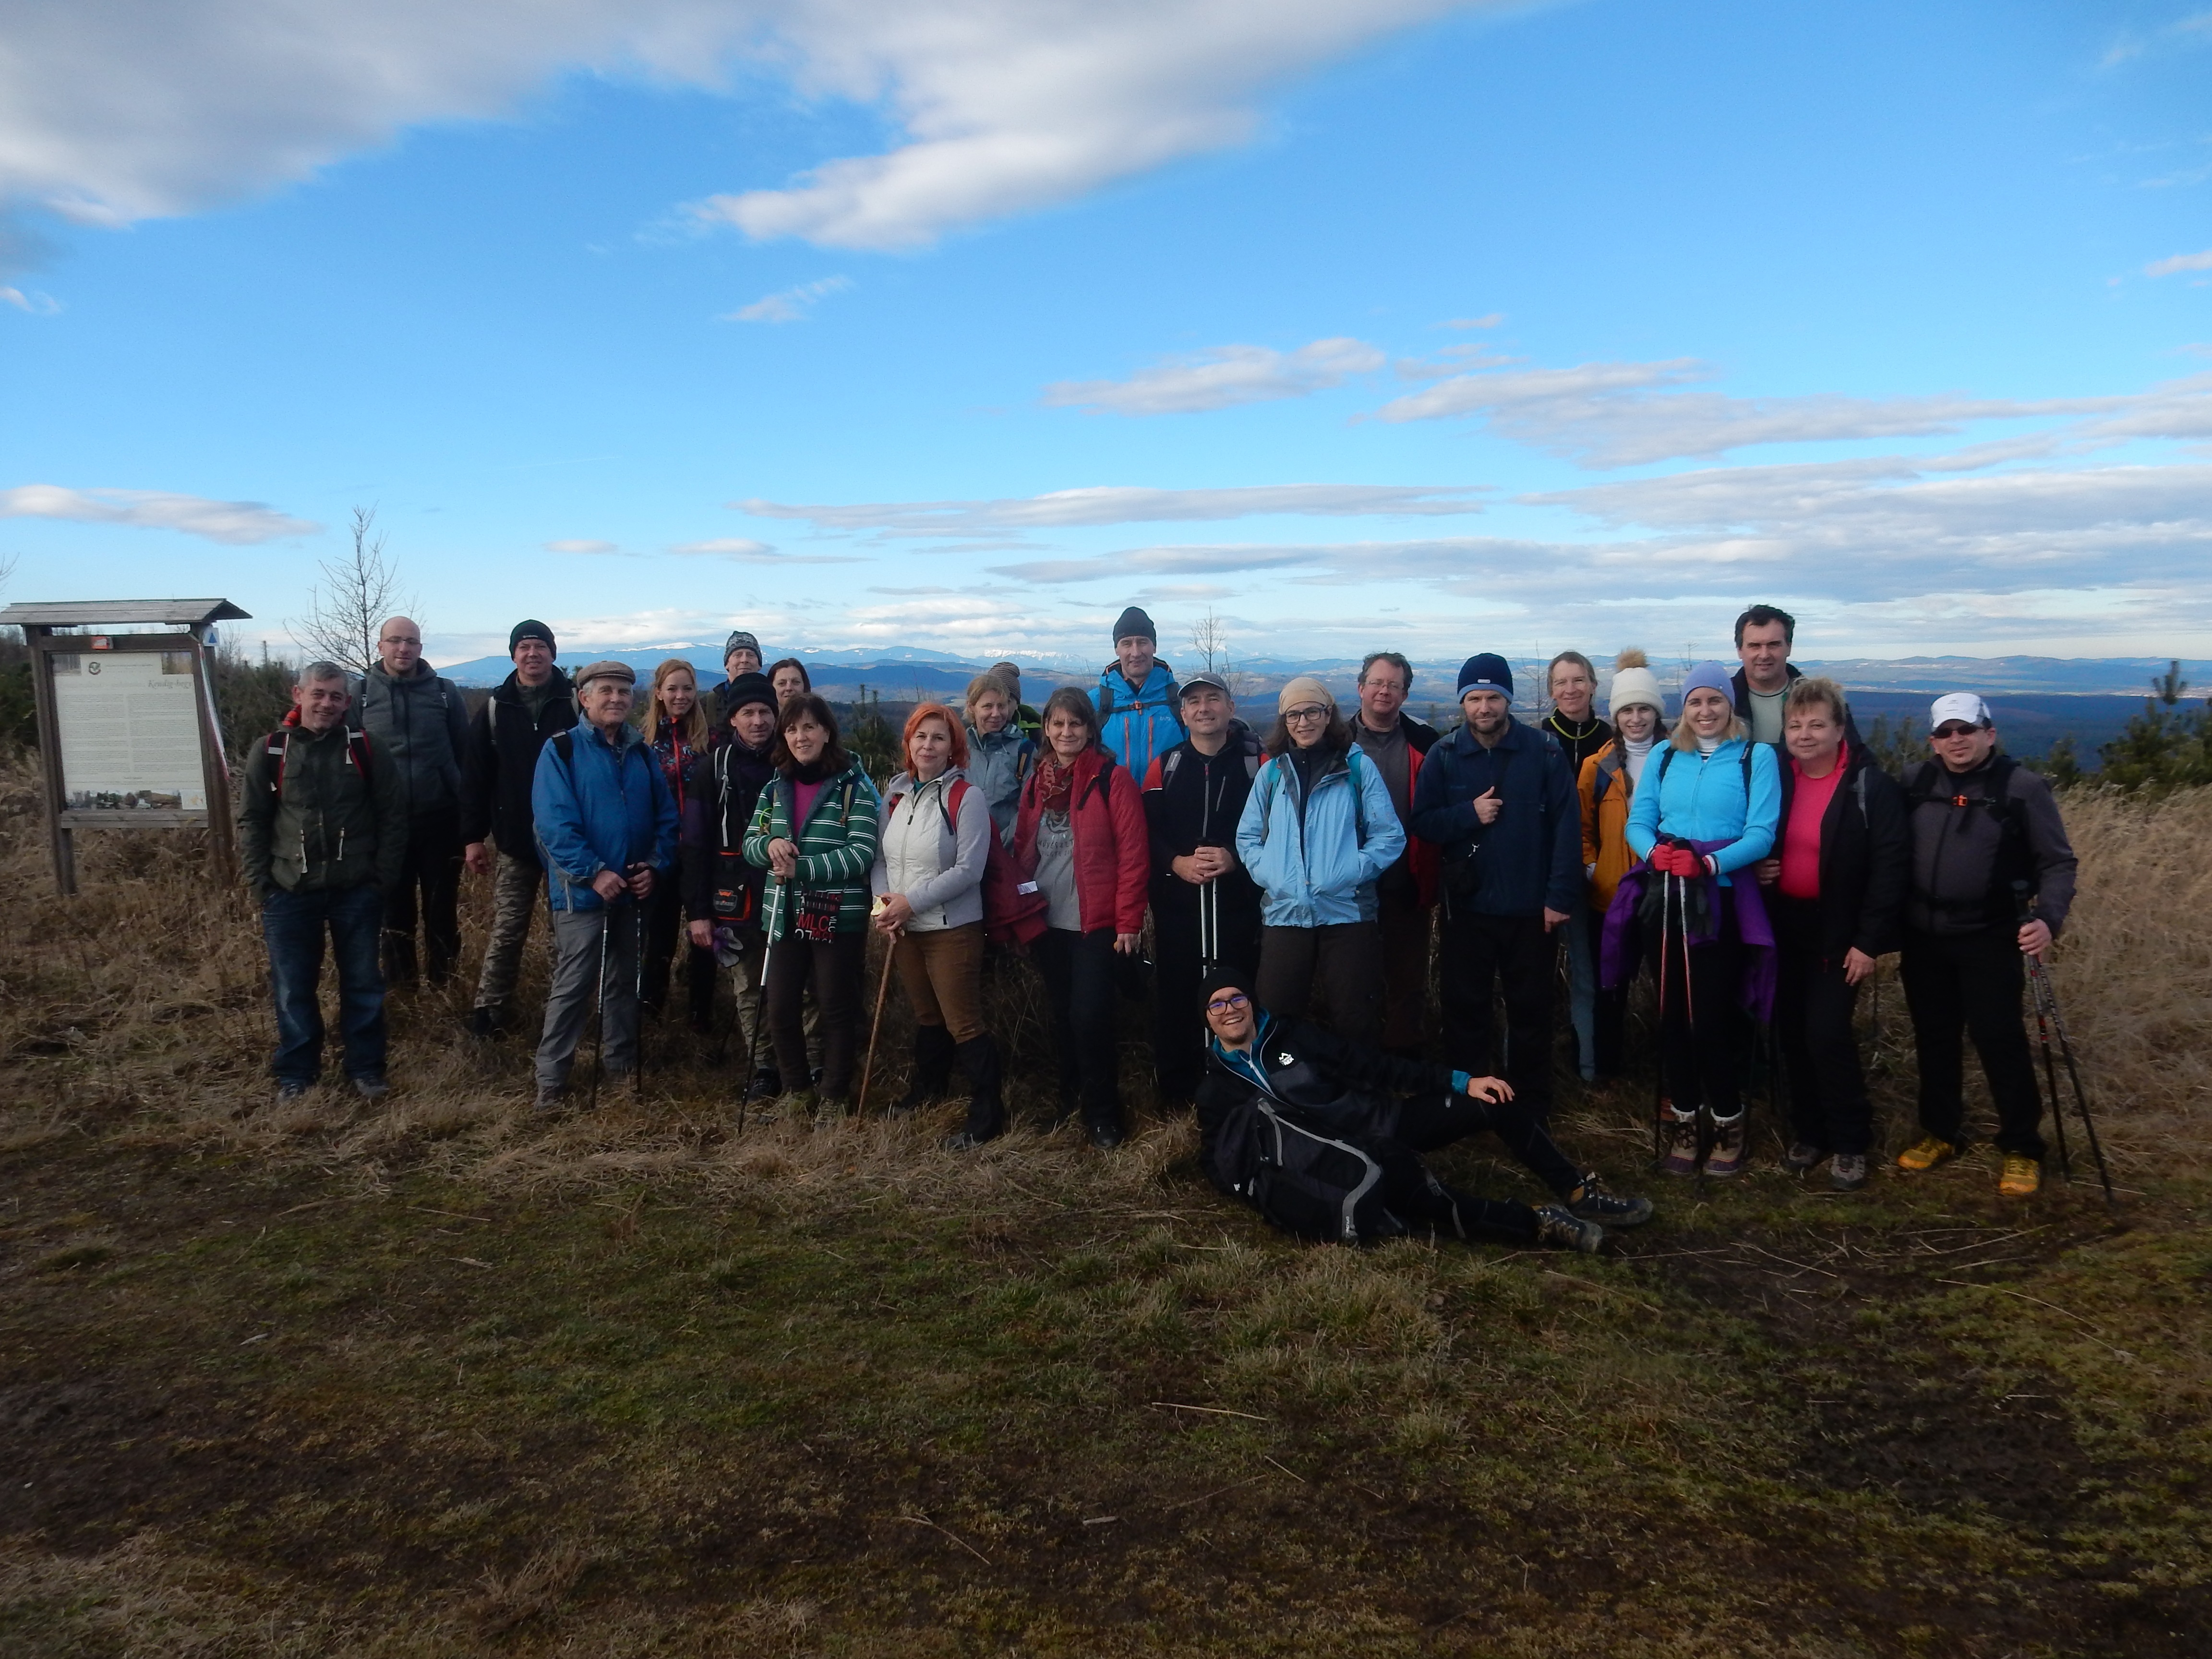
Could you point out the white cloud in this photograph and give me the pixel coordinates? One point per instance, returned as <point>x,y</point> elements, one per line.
<point>37,304</point>
<point>596,549</point>
<point>791,304</point>
<point>743,550</point>
<point>1630,413</point>
<point>237,523</point>
<point>2179,262</point>
<point>1220,378</point>
<point>1111,504</point>
<point>1490,320</point>
<point>116,110</point>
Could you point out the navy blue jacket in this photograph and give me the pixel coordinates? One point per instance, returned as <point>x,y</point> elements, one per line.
<point>1530,859</point>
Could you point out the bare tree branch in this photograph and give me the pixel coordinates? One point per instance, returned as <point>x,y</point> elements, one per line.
<point>359,589</point>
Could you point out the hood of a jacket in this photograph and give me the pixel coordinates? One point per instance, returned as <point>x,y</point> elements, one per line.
<point>422,672</point>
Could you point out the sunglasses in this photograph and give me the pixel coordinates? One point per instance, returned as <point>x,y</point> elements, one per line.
<point>1230,1003</point>
<point>1303,716</point>
<point>1944,733</point>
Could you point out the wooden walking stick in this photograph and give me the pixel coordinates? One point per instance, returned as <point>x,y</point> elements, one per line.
<point>875,1025</point>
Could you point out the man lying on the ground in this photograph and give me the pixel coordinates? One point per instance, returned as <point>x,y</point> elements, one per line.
<point>1324,1137</point>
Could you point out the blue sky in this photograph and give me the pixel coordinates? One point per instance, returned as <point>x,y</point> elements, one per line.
<point>963,323</point>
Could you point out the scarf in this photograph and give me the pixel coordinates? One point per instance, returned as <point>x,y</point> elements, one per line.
<point>1055,782</point>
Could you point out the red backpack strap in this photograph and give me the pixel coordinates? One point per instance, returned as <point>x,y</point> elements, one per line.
<point>278,746</point>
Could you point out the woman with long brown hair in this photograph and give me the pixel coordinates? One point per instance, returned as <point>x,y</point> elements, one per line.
<point>1081,828</point>
<point>676,732</point>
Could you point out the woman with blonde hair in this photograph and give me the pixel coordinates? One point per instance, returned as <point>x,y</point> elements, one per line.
<point>1707,809</point>
<point>929,882</point>
<point>999,753</point>
<point>676,732</point>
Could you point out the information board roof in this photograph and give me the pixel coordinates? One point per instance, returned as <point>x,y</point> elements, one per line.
<point>77,613</point>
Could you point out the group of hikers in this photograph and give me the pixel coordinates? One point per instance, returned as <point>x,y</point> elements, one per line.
<point>1753,859</point>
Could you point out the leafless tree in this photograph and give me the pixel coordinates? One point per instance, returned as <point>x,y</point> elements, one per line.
<point>359,589</point>
<point>1209,642</point>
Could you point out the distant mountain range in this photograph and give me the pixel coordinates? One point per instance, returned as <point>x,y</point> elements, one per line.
<point>2037,699</point>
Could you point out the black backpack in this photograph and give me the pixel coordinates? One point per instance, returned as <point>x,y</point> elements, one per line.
<point>1323,1186</point>
<point>2016,859</point>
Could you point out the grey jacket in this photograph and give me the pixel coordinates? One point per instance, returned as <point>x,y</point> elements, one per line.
<point>997,765</point>
<point>1963,863</point>
<point>419,726</point>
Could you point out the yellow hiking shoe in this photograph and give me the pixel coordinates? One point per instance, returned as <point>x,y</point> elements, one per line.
<point>2022,1176</point>
<point>1926,1154</point>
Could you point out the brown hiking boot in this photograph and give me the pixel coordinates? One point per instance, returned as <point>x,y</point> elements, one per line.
<point>1730,1147</point>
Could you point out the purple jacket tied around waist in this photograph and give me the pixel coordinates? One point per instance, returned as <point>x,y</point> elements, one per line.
<point>1620,953</point>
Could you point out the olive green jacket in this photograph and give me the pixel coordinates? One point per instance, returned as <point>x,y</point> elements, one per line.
<point>321,811</point>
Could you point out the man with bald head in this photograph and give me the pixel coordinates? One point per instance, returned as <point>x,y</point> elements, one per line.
<point>418,724</point>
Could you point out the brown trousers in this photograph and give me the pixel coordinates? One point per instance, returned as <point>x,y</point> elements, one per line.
<point>942,973</point>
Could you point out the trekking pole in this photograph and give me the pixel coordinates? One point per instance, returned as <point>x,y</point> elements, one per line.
<point>637,987</point>
<point>2036,987</point>
<point>1659,1058</point>
<point>599,1018</point>
<point>882,987</point>
<point>1209,927</point>
<point>2046,995</point>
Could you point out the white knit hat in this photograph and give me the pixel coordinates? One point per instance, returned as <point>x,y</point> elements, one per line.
<point>1634,683</point>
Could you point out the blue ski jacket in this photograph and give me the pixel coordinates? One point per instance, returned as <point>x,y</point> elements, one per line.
<point>601,806</point>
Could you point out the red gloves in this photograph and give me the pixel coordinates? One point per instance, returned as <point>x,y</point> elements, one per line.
<point>1672,860</point>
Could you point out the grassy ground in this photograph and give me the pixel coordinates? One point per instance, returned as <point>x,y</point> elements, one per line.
<point>434,1379</point>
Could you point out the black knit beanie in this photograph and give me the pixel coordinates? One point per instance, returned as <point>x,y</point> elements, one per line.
<point>1134,622</point>
<point>531,629</point>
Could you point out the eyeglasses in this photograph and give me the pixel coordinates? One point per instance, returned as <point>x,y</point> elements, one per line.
<point>1230,1003</point>
<point>1305,716</point>
<point>1944,733</point>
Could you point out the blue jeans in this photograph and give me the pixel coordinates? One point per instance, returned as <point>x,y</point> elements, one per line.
<point>292,926</point>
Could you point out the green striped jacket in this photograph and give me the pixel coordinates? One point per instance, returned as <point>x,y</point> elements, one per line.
<point>836,848</point>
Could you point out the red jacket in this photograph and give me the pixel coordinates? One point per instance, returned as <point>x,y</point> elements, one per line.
<point>1423,854</point>
<point>1113,851</point>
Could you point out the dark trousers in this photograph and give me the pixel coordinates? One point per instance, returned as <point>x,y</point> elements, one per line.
<point>1343,960</point>
<point>292,927</point>
<point>1517,956</point>
<point>1178,1023</point>
<point>1080,983</point>
<point>1703,1033</point>
<point>833,970</point>
<point>663,939</point>
<point>1426,1122</point>
<point>1405,923</point>
<point>1969,985</point>
<point>1609,1011</point>
<point>433,869</point>
<point>1813,1008</point>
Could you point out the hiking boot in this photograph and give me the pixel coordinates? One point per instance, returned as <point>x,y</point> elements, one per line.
<point>1730,1147</point>
<point>1591,1202</point>
<point>987,1108</point>
<point>290,1090</point>
<point>965,1141</point>
<point>1556,1230</point>
<point>829,1111</point>
<point>485,1023</point>
<point>1848,1172</point>
<point>931,1070</point>
<point>799,1104</point>
<point>1105,1133</point>
<point>1803,1156</point>
<point>1925,1154</point>
<point>550,1100</point>
<point>767,1085</point>
<point>1681,1159</point>
<point>2022,1175</point>
<point>371,1085</point>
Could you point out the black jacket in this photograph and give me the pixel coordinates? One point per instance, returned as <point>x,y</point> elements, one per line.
<point>1313,1075</point>
<point>717,812</point>
<point>1866,858</point>
<point>1580,744</point>
<point>1526,861</point>
<point>1967,852</point>
<point>1192,801</point>
<point>502,762</point>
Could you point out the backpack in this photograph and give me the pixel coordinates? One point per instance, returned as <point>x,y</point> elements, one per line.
<point>278,746</point>
<point>735,891</point>
<point>1174,698</point>
<point>1253,756</point>
<point>1014,906</point>
<point>2014,862</point>
<point>1319,1186</point>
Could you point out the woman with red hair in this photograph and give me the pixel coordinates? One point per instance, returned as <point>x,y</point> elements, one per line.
<point>928,880</point>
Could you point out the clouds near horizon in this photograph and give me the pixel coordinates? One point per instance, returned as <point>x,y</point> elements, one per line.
<point>236,523</point>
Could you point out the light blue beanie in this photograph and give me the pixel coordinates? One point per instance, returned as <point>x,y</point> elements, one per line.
<point>1709,677</point>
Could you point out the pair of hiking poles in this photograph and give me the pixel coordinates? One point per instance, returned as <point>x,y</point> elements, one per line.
<point>2050,1022</point>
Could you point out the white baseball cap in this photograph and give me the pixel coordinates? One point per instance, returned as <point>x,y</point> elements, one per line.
<point>1962,705</point>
